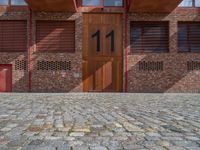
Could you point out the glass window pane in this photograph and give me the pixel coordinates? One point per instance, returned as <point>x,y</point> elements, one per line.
<point>3,2</point>
<point>186,3</point>
<point>113,2</point>
<point>197,3</point>
<point>91,2</point>
<point>18,2</point>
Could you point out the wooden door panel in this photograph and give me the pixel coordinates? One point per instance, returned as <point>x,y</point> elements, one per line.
<point>93,76</point>
<point>102,66</point>
<point>112,19</point>
<point>108,81</point>
<point>95,19</point>
<point>5,78</point>
<point>112,76</point>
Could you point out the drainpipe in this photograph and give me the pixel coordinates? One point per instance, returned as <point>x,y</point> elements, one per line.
<point>126,8</point>
<point>30,52</point>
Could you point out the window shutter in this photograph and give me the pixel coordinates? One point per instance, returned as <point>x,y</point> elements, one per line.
<point>149,36</point>
<point>189,36</point>
<point>55,36</point>
<point>13,36</point>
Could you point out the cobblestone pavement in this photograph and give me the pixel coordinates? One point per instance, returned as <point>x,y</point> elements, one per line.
<point>99,122</point>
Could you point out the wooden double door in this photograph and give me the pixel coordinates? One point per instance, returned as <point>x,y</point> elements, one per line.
<point>102,53</point>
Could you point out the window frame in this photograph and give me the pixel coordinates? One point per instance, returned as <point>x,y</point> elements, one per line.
<point>102,5</point>
<point>147,51</point>
<point>188,41</point>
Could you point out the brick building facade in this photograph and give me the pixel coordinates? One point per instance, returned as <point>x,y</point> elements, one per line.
<point>56,70</point>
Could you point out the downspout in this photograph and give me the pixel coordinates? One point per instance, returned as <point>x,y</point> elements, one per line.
<point>30,52</point>
<point>126,8</point>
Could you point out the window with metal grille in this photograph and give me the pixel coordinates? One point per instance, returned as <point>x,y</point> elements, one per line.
<point>13,36</point>
<point>189,36</point>
<point>149,36</point>
<point>151,66</point>
<point>55,36</point>
<point>53,65</point>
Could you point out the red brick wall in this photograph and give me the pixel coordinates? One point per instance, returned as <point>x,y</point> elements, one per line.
<point>174,77</point>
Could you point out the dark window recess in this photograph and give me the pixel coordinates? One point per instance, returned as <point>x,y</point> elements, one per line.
<point>13,36</point>
<point>151,66</point>
<point>55,36</point>
<point>20,65</point>
<point>193,65</point>
<point>149,36</point>
<point>189,36</point>
<point>53,65</point>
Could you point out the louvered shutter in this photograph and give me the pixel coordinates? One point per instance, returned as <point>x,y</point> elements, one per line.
<point>189,36</point>
<point>13,36</point>
<point>55,36</point>
<point>149,36</point>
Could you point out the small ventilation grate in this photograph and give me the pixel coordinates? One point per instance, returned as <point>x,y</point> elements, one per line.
<point>193,65</point>
<point>53,65</point>
<point>151,66</point>
<point>20,65</point>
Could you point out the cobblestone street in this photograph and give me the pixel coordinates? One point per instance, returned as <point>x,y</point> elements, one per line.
<point>99,122</point>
